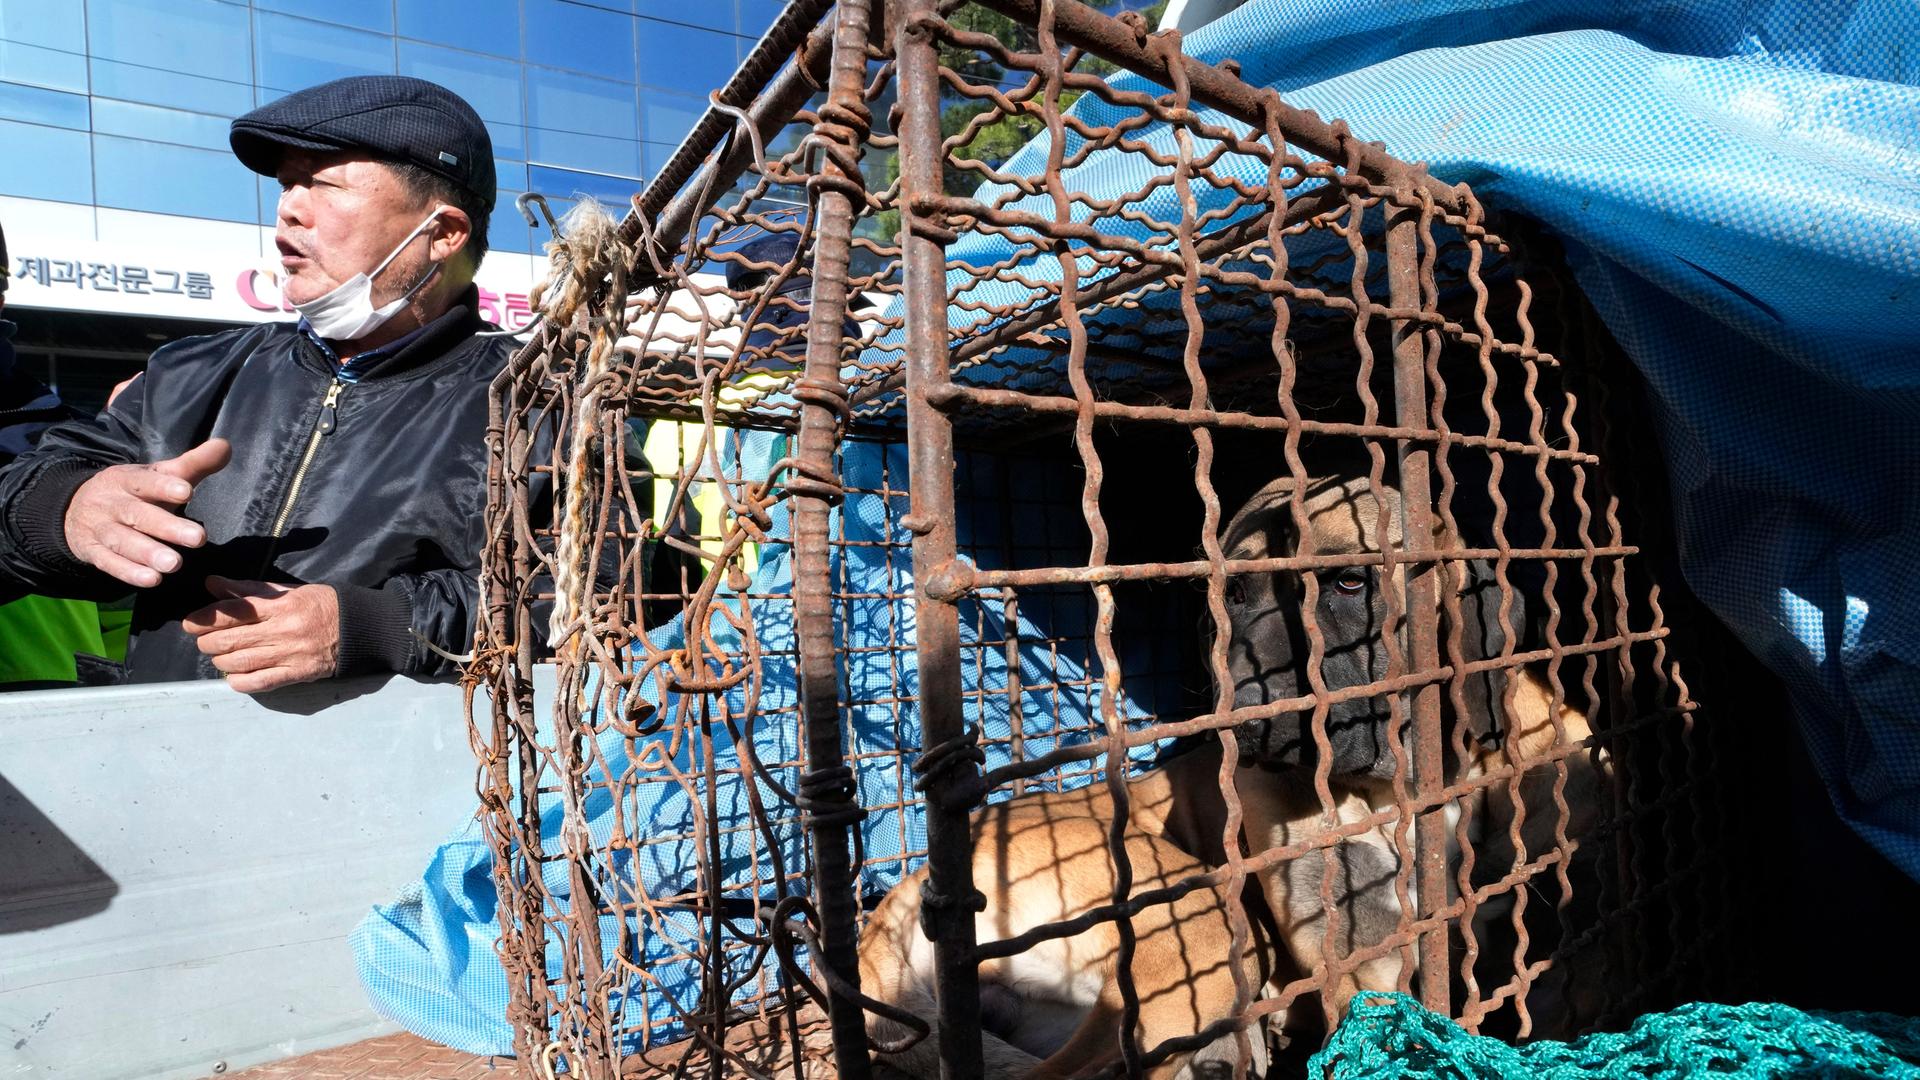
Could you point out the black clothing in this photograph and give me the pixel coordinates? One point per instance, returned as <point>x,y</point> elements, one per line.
<point>372,481</point>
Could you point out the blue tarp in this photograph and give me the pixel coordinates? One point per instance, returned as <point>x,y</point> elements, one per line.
<point>1738,186</point>
<point>428,960</point>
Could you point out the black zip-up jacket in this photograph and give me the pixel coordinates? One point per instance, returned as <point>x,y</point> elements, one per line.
<point>379,494</point>
<point>27,408</point>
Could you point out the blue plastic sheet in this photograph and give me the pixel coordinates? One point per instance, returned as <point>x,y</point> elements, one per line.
<point>1738,186</point>
<point>427,959</point>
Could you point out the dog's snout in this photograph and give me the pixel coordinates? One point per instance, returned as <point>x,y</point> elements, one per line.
<point>1274,741</point>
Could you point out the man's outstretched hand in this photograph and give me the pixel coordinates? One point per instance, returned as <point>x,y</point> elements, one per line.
<point>125,519</point>
<point>263,636</point>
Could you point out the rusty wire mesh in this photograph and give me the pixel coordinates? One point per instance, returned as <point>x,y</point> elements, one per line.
<point>788,524</point>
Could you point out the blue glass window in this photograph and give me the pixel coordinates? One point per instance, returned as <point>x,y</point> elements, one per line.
<point>657,155</point>
<point>294,54</point>
<point>757,15</point>
<point>23,63</point>
<point>716,16</point>
<point>37,106</point>
<point>506,229</point>
<point>615,191</point>
<point>564,34</point>
<point>269,200</point>
<point>599,153</point>
<point>173,89</point>
<point>582,123</point>
<point>681,58</point>
<point>204,37</point>
<point>509,140</point>
<point>45,163</point>
<point>44,44</point>
<point>668,117</point>
<point>491,86</point>
<point>510,174</point>
<point>491,26</point>
<point>366,14</point>
<point>138,175</point>
<point>165,125</point>
<point>54,26</point>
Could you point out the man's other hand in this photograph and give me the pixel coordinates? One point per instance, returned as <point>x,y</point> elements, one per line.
<point>125,519</point>
<point>264,636</point>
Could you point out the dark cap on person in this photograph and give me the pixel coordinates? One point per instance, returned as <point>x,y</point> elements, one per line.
<point>777,248</point>
<point>394,117</point>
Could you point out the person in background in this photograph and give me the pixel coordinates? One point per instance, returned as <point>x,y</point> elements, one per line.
<point>45,643</point>
<point>297,501</point>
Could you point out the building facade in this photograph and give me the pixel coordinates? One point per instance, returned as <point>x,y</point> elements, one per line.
<point>130,223</point>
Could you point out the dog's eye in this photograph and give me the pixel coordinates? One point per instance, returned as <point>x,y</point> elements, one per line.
<point>1351,580</point>
<point>1236,591</point>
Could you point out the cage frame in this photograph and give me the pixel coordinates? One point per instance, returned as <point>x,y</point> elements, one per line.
<point>831,44</point>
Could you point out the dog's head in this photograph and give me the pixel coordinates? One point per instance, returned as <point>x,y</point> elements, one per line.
<point>1268,651</point>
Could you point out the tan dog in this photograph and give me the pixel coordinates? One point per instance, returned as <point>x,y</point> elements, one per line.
<point>1055,1010</point>
<point>1508,717</point>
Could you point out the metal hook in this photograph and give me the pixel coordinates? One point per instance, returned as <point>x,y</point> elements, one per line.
<point>553,226</point>
<point>533,222</point>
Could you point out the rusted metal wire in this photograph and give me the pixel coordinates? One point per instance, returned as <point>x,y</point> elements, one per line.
<point>856,531</point>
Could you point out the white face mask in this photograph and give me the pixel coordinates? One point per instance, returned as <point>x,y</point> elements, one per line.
<point>346,312</point>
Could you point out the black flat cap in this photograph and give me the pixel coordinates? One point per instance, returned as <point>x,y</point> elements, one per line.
<point>388,116</point>
<point>777,248</point>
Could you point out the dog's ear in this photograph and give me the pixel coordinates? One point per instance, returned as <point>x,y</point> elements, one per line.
<point>1479,701</point>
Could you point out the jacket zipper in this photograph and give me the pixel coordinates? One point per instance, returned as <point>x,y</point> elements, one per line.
<point>322,427</point>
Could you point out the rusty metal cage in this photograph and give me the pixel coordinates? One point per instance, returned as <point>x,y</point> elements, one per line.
<point>1057,398</point>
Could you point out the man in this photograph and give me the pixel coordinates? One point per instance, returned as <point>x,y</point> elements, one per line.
<point>299,501</point>
<point>48,642</point>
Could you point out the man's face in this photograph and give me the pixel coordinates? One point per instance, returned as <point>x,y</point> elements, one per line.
<point>339,216</point>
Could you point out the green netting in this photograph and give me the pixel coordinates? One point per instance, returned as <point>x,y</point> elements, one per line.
<point>1391,1037</point>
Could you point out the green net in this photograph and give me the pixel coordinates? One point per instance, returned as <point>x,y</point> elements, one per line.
<point>1391,1037</point>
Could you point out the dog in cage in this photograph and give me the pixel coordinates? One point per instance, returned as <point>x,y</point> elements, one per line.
<point>1320,820</point>
<point>1535,785</point>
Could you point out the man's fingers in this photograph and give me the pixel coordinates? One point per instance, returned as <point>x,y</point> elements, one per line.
<point>259,682</point>
<point>246,660</point>
<point>233,639</point>
<point>198,463</point>
<point>262,590</point>
<point>223,615</point>
<point>123,569</point>
<point>136,546</point>
<point>121,512</point>
<point>149,484</point>
<point>162,525</point>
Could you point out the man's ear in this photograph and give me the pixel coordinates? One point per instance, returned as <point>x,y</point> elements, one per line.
<point>450,232</point>
<point>1480,697</point>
